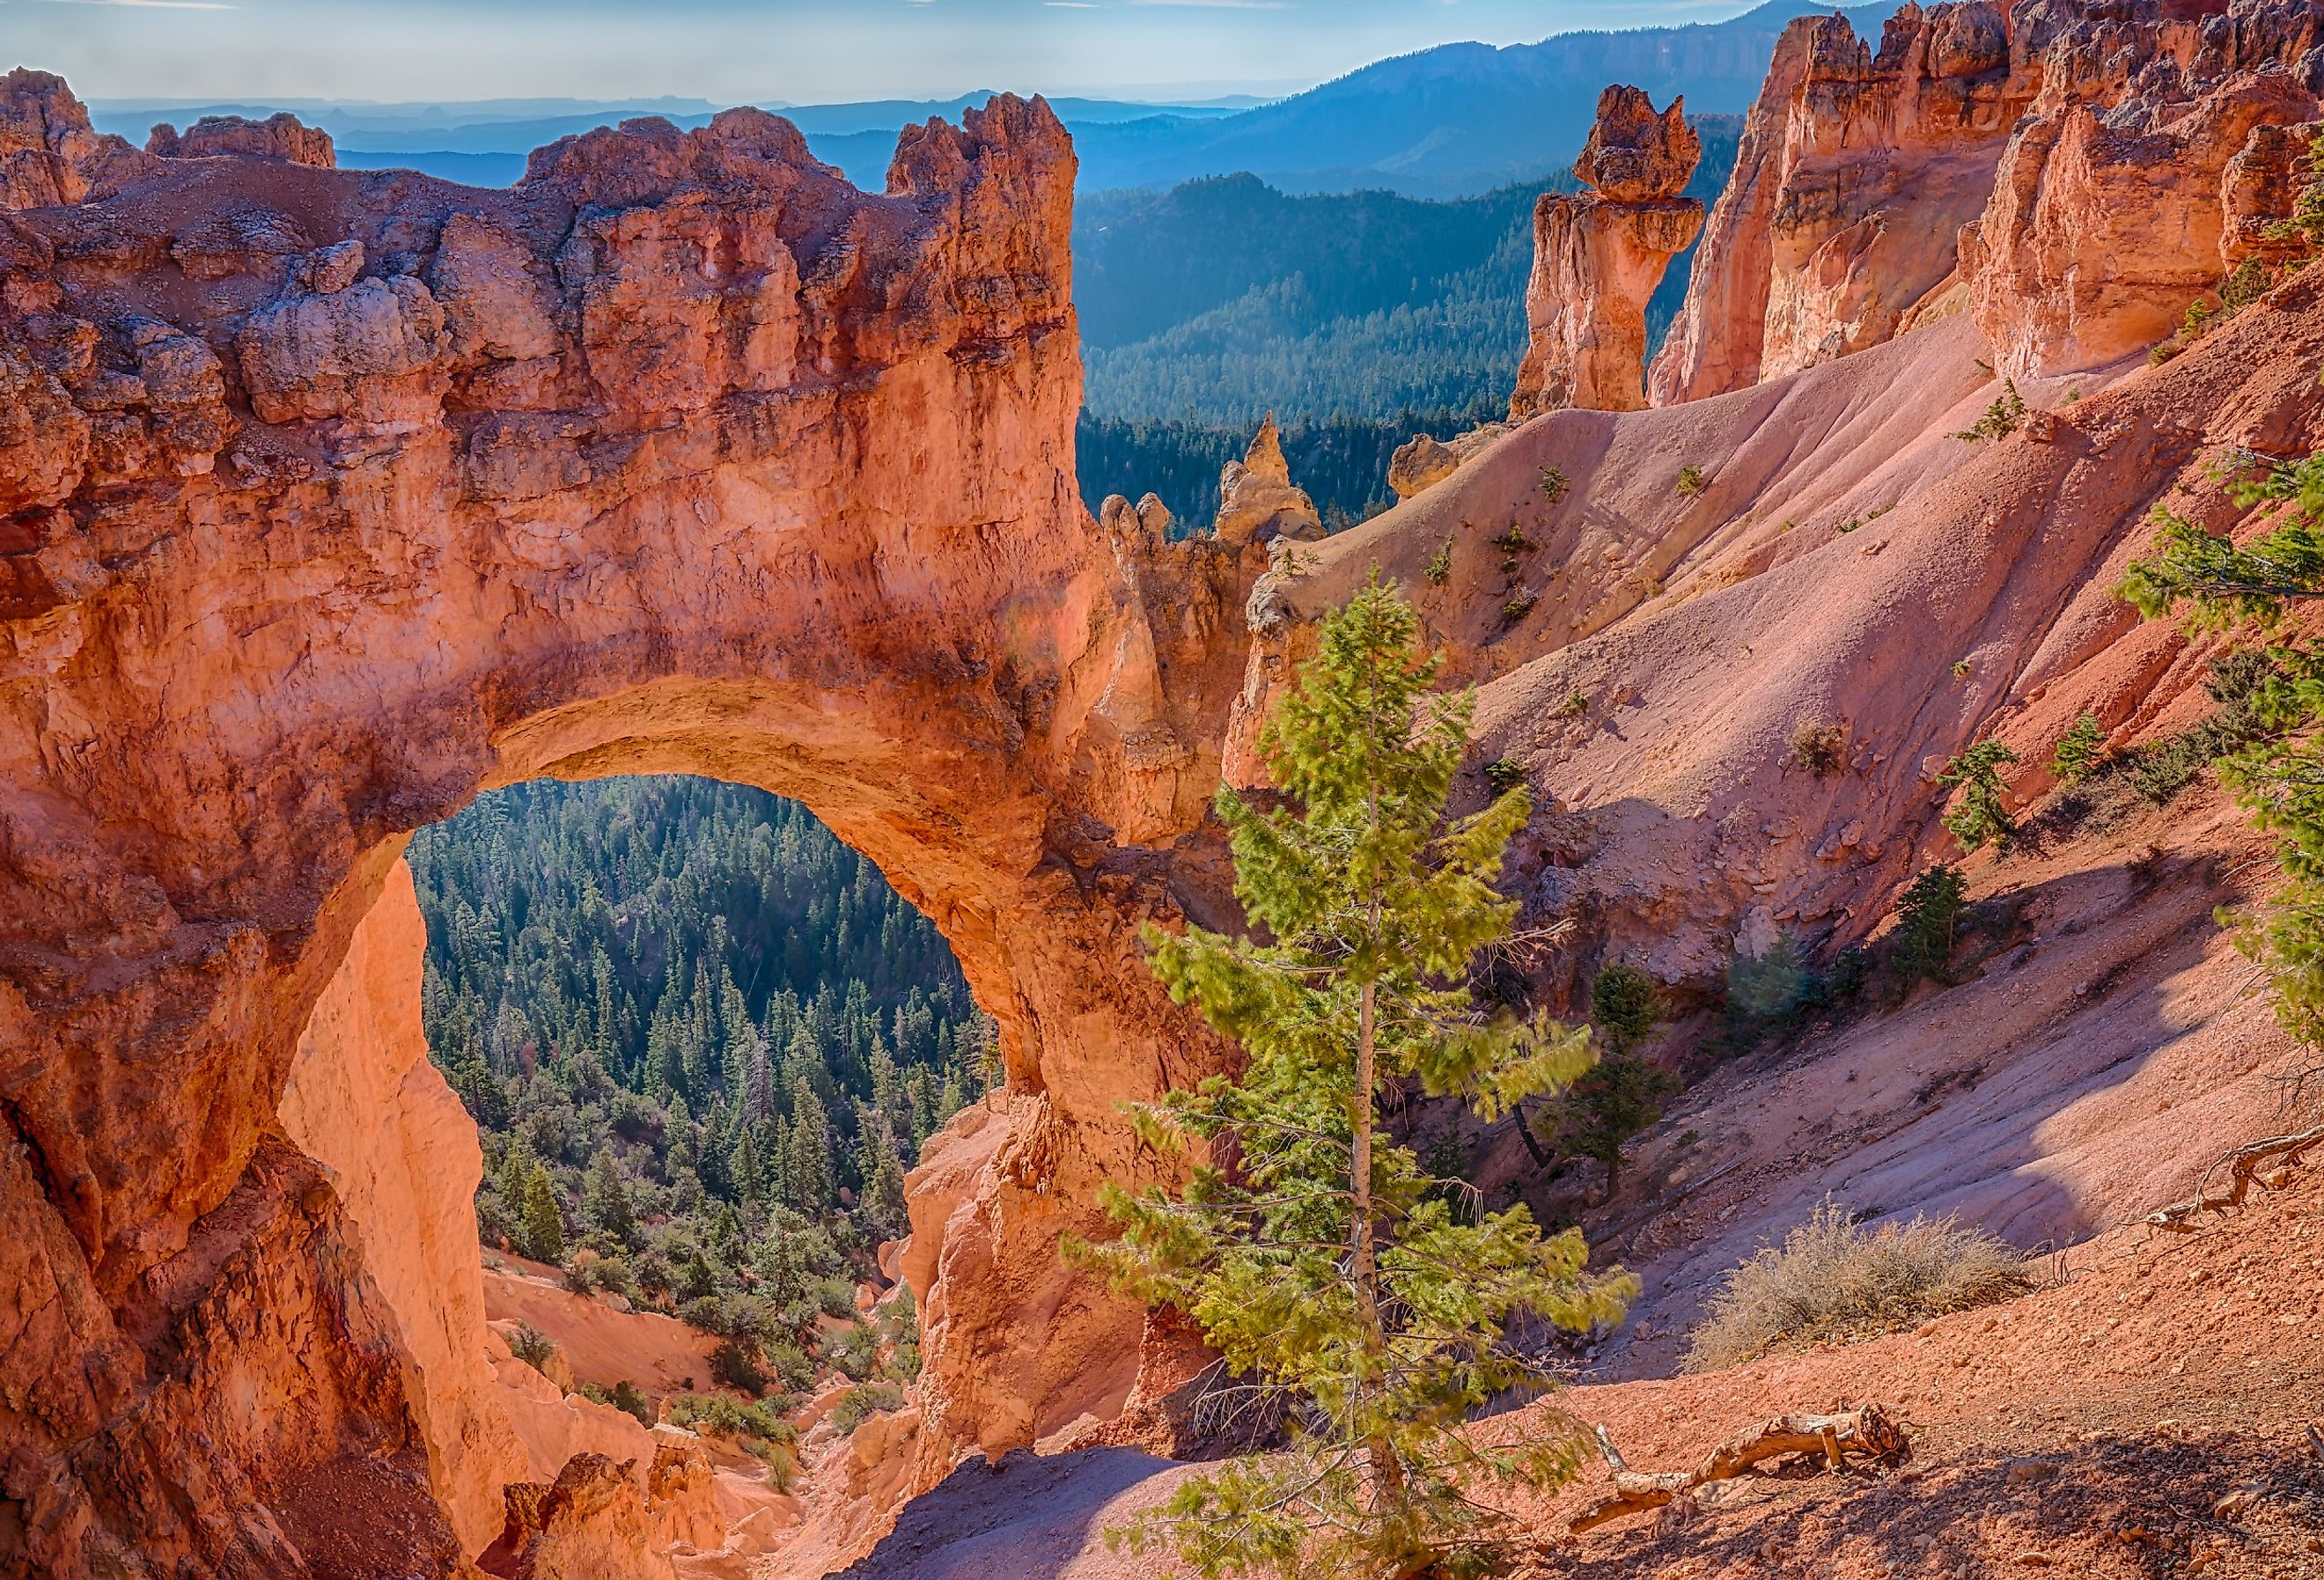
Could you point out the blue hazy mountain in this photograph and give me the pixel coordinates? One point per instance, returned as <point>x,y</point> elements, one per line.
<point>1453,121</point>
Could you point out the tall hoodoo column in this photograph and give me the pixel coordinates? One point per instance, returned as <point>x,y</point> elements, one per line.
<point>1598,254</point>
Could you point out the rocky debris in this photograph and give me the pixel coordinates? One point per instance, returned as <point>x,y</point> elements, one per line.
<point>591,1520</point>
<point>636,467</point>
<point>48,153</point>
<point>1423,462</point>
<point>1258,501</point>
<point>281,135</point>
<point>1597,256</point>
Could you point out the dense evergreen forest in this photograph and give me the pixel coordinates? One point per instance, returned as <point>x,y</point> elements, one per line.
<point>702,1040</point>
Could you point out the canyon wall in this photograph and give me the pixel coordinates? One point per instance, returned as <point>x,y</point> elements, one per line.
<point>328,499</point>
<point>2056,168</point>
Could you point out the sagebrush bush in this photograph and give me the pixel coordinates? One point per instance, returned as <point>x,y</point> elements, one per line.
<point>1833,1280</point>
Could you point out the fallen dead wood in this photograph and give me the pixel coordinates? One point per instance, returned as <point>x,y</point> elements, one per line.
<point>1866,1433</point>
<point>2243,1165</point>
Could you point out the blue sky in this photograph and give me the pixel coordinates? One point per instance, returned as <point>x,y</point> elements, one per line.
<point>802,51</point>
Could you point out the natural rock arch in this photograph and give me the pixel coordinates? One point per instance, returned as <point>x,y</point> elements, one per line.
<point>328,499</point>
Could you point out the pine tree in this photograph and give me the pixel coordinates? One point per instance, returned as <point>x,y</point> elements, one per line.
<point>1977,816</point>
<point>543,1221</point>
<point>606,1198</point>
<point>883,1176</point>
<point>1926,915</point>
<point>1324,1267</point>
<point>806,1157</point>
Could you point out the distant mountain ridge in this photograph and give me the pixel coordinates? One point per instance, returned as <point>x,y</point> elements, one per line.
<point>1457,120</point>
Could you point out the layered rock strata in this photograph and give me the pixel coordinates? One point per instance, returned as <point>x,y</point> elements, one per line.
<point>328,499</point>
<point>1597,256</point>
<point>2059,169</point>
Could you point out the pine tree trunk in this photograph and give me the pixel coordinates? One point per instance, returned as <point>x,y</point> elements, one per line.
<point>1385,1471</point>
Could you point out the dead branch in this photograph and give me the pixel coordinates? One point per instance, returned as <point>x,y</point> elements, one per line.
<point>1868,1433</point>
<point>2242,1165</point>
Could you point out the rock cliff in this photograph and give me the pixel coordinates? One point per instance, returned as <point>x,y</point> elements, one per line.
<point>2056,168</point>
<point>330,498</point>
<point>1597,256</point>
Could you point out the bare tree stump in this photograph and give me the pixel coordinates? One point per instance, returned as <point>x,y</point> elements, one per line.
<point>1866,1433</point>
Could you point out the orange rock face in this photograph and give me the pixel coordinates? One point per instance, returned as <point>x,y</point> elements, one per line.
<point>365,1102</point>
<point>2060,169</point>
<point>1597,256</point>
<point>328,499</point>
<point>278,136</point>
<point>2109,215</point>
<point>1855,172</point>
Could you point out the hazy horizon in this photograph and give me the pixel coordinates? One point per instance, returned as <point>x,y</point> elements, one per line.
<point>741,51</point>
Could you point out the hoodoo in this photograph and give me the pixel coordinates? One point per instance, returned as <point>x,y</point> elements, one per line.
<point>1597,256</point>
<point>2058,172</point>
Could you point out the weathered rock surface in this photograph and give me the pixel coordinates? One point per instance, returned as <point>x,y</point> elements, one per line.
<point>682,455</point>
<point>1855,172</point>
<point>48,153</point>
<point>363,1101</point>
<point>1258,501</point>
<point>2058,168</point>
<point>1597,256</point>
<point>1423,461</point>
<point>281,135</point>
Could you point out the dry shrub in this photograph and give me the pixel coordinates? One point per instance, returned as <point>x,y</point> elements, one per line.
<point>1832,1280</point>
<point>1819,748</point>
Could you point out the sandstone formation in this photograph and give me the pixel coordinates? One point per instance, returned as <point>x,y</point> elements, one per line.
<point>1597,256</point>
<point>682,455</point>
<point>363,1101</point>
<point>328,499</point>
<point>1258,501</point>
<point>278,136</point>
<point>2058,168</point>
<point>1854,174</point>
<point>1423,462</point>
<point>48,153</point>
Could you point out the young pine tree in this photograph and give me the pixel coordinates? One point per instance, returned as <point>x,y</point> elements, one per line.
<point>1978,816</point>
<point>542,1220</point>
<point>1306,1244</point>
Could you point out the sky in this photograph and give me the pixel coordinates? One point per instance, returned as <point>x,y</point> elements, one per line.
<point>763,51</point>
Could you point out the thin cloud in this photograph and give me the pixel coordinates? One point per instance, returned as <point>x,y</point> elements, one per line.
<point>1218,5</point>
<point>153,4</point>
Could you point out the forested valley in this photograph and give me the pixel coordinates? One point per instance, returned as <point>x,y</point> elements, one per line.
<point>702,1041</point>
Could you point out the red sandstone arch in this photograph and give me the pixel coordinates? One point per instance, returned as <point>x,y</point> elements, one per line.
<point>328,499</point>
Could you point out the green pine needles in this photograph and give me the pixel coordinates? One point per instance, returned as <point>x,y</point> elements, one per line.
<point>2274,767</point>
<point>2080,750</point>
<point>1977,816</point>
<point>1326,1266</point>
